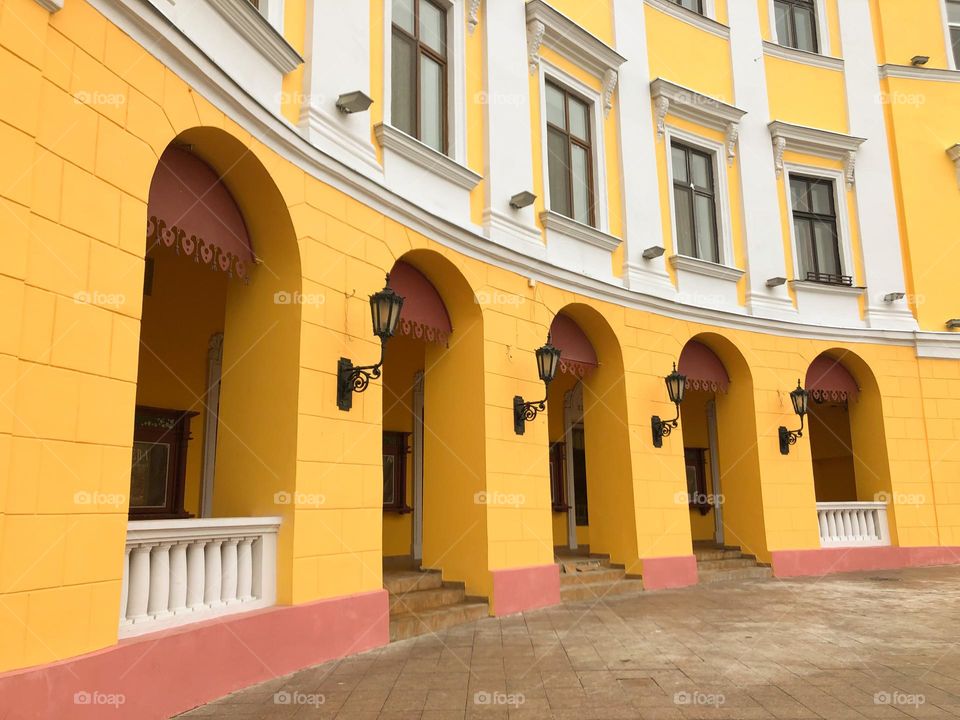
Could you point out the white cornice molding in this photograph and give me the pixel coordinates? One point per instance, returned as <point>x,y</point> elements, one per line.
<point>691,18</point>
<point>813,141</point>
<point>954,154</point>
<point>556,222</point>
<point>827,62</point>
<point>941,345</point>
<point>51,5</point>
<point>827,288</point>
<point>685,263</point>
<point>254,27</point>
<point>673,99</point>
<point>581,47</point>
<point>146,26</point>
<point>910,72</point>
<point>425,156</point>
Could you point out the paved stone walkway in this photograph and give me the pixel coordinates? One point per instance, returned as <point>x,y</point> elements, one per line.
<point>875,645</point>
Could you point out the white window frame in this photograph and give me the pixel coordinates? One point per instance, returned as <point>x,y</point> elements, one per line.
<point>823,29</point>
<point>456,75</point>
<point>600,191</point>
<point>948,43</point>
<point>843,214</point>
<point>718,152</point>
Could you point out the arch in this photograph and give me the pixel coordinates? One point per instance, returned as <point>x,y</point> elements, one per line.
<point>256,413</point>
<point>577,355</point>
<point>851,416</point>
<point>423,314</point>
<point>607,462</point>
<point>453,429</point>
<point>718,418</point>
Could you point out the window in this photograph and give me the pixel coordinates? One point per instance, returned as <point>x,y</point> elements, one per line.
<point>558,476</point>
<point>419,71</point>
<point>694,5</point>
<point>796,22</point>
<point>815,226</point>
<point>395,471</point>
<point>695,202</point>
<point>953,21</point>
<point>159,468</point>
<point>569,154</point>
<point>697,498</point>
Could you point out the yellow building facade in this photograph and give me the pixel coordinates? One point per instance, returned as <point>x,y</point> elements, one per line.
<point>758,191</point>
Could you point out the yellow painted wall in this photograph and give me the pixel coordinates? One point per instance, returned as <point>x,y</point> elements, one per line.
<point>805,95</point>
<point>902,30</point>
<point>693,417</point>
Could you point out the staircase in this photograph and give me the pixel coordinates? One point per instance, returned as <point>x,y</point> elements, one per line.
<point>583,578</point>
<point>716,564</point>
<point>421,603</point>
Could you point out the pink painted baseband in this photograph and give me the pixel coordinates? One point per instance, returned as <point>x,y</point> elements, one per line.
<point>169,672</point>
<point>526,588</point>
<point>669,572</point>
<point>824,561</point>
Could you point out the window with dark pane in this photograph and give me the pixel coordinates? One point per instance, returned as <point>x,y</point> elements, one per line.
<point>395,446</point>
<point>796,22</point>
<point>815,225</point>
<point>953,20</point>
<point>419,71</point>
<point>694,5</point>
<point>695,202</point>
<point>569,154</point>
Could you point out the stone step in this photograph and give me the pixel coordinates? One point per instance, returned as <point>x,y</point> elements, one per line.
<point>408,625</point>
<point>598,591</point>
<point>725,563</point>
<point>745,573</point>
<point>398,582</point>
<point>590,577</point>
<point>420,600</point>
<point>716,554</point>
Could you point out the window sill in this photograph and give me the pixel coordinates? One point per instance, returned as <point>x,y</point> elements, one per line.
<point>691,18</point>
<point>783,52</point>
<point>553,221</point>
<point>827,288</point>
<point>243,17</point>
<point>697,266</point>
<point>425,156</point>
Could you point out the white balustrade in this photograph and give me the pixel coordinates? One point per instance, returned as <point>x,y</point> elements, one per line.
<point>182,571</point>
<point>853,524</point>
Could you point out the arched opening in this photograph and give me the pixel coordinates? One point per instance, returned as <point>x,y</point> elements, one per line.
<point>721,464</point>
<point>590,466</point>
<point>215,422</point>
<point>848,451</point>
<point>433,428</point>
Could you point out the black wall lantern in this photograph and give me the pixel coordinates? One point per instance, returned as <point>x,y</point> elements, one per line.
<point>676,385</point>
<point>799,398</point>
<point>385,312</point>
<point>548,358</point>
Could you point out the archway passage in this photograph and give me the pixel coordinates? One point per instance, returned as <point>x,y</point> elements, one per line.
<point>832,390</point>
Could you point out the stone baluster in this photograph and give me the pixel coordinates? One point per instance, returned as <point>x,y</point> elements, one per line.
<point>228,585</point>
<point>124,586</point>
<point>159,595</point>
<point>212,573</point>
<point>138,592</point>
<point>245,569</point>
<point>178,578</point>
<point>195,574</point>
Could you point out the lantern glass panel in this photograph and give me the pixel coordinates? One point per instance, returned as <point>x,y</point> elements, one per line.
<point>675,387</point>
<point>799,399</point>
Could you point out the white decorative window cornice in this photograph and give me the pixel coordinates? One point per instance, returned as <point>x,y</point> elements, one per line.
<point>827,288</point>
<point>910,72</point>
<point>673,99</point>
<point>577,230</point>
<point>691,18</point>
<point>546,24</point>
<point>697,266</point>
<point>51,5</point>
<point>256,29</point>
<point>473,15</point>
<point>954,154</point>
<point>828,62</point>
<point>813,141</point>
<point>425,156</point>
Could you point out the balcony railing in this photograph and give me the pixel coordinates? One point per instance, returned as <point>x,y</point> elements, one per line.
<point>183,571</point>
<point>853,524</point>
<point>830,278</point>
